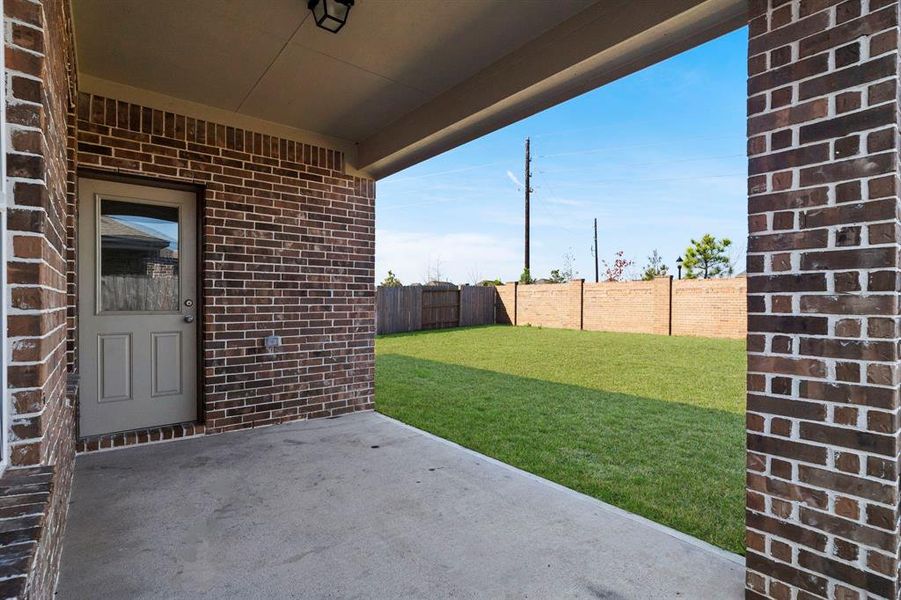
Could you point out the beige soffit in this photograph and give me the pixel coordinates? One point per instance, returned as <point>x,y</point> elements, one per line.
<point>605,42</point>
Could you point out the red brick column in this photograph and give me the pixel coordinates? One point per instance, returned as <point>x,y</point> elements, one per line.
<point>822,501</point>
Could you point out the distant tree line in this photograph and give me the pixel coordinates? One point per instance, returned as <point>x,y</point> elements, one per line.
<point>704,258</point>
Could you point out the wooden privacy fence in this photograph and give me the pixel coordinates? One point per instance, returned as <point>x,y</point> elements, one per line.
<point>440,308</point>
<point>415,307</point>
<point>398,309</point>
<point>139,292</point>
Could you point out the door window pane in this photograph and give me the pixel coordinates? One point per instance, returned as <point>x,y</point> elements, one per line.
<point>138,256</point>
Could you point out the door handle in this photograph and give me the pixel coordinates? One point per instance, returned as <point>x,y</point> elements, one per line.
<point>189,318</point>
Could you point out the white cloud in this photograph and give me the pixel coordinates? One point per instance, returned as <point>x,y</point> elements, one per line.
<point>514,179</point>
<point>463,256</point>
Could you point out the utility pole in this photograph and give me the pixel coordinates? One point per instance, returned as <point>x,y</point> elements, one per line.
<point>528,197</point>
<point>595,250</point>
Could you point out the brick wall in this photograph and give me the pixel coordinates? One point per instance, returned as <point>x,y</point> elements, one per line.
<point>40,75</point>
<point>630,306</point>
<point>37,105</point>
<point>287,232</point>
<point>710,307</point>
<point>288,250</point>
<point>549,305</point>
<point>707,308</point>
<point>823,421</point>
<point>506,304</point>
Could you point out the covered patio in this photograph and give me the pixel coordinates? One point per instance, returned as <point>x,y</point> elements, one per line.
<point>360,506</point>
<point>249,141</point>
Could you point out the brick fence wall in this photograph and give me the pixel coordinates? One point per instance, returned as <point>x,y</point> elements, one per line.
<point>710,307</point>
<point>549,305</point>
<point>631,306</point>
<point>506,303</point>
<point>707,308</point>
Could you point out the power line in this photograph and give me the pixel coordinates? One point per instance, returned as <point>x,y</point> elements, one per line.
<point>592,182</point>
<point>581,184</point>
<point>652,164</point>
<point>474,167</point>
<point>623,166</point>
<point>629,146</point>
<point>415,204</point>
<point>633,124</point>
<point>449,171</point>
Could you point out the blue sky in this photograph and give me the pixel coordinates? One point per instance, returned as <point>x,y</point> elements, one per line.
<point>658,157</point>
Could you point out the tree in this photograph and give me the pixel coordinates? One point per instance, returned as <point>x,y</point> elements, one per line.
<point>433,273</point>
<point>391,280</point>
<point>567,272</point>
<point>707,257</point>
<point>617,270</point>
<point>491,282</point>
<point>557,277</point>
<point>655,267</point>
<point>526,277</point>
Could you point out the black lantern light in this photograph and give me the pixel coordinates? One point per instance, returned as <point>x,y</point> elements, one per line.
<point>331,15</point>
<point>679,266</point>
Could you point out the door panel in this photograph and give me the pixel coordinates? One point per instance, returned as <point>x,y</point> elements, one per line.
<point>137,296</point>
<point>166,365</point>
<point>114,370</point>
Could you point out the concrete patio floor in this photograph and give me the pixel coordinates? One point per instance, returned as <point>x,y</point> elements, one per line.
<point>359,507</point>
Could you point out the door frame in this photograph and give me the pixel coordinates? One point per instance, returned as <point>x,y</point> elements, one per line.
<point>199,192</point>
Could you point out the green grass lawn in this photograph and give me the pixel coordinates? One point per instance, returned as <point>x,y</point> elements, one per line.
<point>652,424</point>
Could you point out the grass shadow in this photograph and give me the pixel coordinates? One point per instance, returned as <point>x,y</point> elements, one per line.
<point>678,464</point>
<point>433,332</point>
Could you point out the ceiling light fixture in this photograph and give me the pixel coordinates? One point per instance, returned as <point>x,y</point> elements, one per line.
<point>331,15</point>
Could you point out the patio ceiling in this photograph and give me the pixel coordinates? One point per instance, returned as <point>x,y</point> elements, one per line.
<point>403,81</point>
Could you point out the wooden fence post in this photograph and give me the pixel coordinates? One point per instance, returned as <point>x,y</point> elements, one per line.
<point>417,304</point>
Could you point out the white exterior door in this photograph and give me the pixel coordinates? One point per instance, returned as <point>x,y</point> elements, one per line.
<point>137,293</point>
